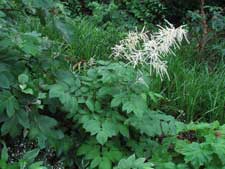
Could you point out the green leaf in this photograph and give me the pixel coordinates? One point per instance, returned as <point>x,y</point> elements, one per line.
<point>9,103</point>
<point>124,130</point>
<point>45,123</point>
<point>37,165</point>
<point>30,43</point>
<point>31,155</point>
<point>94,152</point>
<point>102,137</point>
<point>92,126</point>
<point>69,102</point>
<point>90,150</point>
<point>117,100</point>
<point>113,154</point>
<point>96,162</point>
<point>90,104</point>
<point>23,119</point>
<point>23,78</point>
<point>4,81</point>
<point>197,154</point>
<point>136,104</point>
<point>109,128</point>
<point>28,91</point>
<point>10,126</point>
<point>133,163</point>
<point>4,153</point>
<point>219,148</point>
<point>83,149</point>
<point>105,164</point>
<point>154,123</point>
<point>56,91</point>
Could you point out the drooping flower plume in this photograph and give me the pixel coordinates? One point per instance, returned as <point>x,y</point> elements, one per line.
<point>140,48</point>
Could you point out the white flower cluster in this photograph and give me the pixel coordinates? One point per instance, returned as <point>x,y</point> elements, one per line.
<point>140,48</point>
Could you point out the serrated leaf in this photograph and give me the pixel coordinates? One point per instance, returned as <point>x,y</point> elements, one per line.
<point>136,104</point>
<point>219,148</point>
<point>109,128</point>
<point>197,154</point>
<point>154,123</point>
<point>117,100</point>
<point>69,102</point>
<point>92,126</point>
<point>133,163</point>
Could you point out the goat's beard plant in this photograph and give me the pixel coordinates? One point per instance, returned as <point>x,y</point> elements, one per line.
<point>142,48</point>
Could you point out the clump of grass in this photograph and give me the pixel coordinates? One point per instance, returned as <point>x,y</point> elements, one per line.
<point>87,40</point>
<point>195,91</point>
<point>91,41</point>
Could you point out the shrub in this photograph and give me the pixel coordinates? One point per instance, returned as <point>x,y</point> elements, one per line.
<point>102,114</point>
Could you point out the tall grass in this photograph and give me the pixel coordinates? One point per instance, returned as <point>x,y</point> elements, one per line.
<point>195,91</point>
<point>88,40</point>
<point>92,41</point>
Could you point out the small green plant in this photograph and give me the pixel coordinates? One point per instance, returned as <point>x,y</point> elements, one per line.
<point>26,162</point>
<point>133,163</point>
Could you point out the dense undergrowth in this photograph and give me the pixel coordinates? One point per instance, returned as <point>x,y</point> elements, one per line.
<point>62,91</point>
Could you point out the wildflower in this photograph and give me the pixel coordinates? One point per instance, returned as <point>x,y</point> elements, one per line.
<point>141,48</point>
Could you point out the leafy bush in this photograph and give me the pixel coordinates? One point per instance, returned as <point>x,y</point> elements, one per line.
<point>148,11</point>
<point>102,114</point>
<point>209,35</point>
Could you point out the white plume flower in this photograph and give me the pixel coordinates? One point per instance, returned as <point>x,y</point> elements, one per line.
<point>140,48</point>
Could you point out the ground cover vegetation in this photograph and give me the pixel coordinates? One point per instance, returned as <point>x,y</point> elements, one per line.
<point>90,84</point>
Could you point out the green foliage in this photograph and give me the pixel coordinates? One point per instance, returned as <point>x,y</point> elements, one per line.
<point>211,44</point>
<point>197,145</point>
<point>89,41</point>
<point>26,162</point>
<point>148,11</point>
<point>132,162</point>
<point>107,111</point>
<point>191,93</point>
<point>103,157</point>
